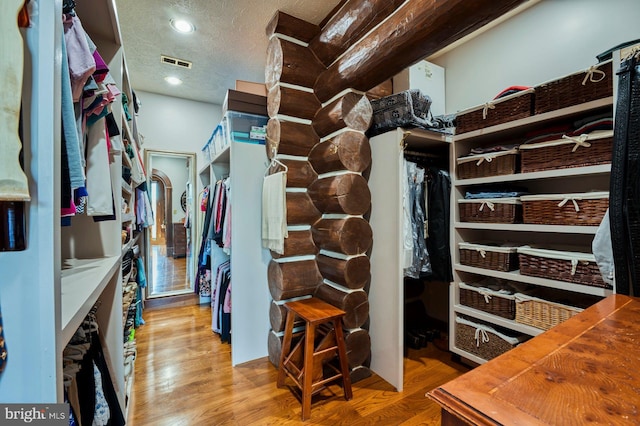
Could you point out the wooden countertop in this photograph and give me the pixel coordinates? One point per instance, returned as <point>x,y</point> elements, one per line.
<point>584,371</point>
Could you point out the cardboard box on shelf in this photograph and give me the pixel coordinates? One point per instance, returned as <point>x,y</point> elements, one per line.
<point>244,102</point>
<point>251,87</point>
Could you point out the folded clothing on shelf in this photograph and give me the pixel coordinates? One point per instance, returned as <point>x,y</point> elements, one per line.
<point>495,191</point>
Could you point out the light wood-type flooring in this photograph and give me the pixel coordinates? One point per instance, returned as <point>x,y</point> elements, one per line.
<point>183,377</point>
<point>168,274</point>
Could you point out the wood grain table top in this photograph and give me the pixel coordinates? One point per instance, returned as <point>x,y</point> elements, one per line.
<point>584,371</point>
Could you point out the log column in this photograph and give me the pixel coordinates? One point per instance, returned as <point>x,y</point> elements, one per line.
<point>291,71</point>
<point>341,191</point>
<point>361,44</point>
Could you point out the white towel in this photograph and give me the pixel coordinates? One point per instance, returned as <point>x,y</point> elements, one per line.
<point>274,212</point>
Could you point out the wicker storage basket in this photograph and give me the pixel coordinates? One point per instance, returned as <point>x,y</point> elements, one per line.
<point>489,164</point>
<point>583,86</point>
<point>509,108</point>
<point>500,303</point>
<point>571,266</point>
<point>586,209</point>
<point>491,210</point>
<point>540,312</point>
<point>585,150</point>
<point>489,256</point>
<point>483,340</point>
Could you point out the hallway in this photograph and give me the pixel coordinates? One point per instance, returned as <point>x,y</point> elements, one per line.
<point>183,377</point>
<point>169,274</point>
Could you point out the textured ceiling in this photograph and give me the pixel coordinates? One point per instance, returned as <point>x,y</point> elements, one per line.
<point>229,43</point>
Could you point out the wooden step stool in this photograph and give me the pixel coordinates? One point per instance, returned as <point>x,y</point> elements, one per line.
<point>304,364</point>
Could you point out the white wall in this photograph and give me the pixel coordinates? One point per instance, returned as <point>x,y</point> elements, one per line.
<point>176,124</point>
<point>178,172</point>
<point>549,40</point>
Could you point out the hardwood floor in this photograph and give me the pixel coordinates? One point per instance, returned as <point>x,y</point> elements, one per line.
<point>183,377</point>
<point>168,274</point>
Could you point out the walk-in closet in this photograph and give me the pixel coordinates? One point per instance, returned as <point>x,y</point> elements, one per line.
<point>341,212</point>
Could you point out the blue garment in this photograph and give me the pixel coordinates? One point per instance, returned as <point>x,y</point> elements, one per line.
<point>74,157</point>
<point>138,320</point>
<point>481,195</point>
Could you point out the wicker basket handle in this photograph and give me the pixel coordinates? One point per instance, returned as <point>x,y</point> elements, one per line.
<point>481,336</point>
<point>566,200</point>
<point>487,296</point>
<point>580,141</point>
<point>591,75</point>
<point>489,204</point>
<point>486,108</point>
<point>482,252</point>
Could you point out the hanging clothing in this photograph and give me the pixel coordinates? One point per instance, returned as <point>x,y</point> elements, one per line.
<point>80,58</point>
<point>420,263</point>
<point>624,191</point>
<point>219,290</point>
<point>407,234</point>
<point>426,212</point>
<point>274,212</point>
<point>94,394</point>
<point>438,240</point>
<point>70,131</point>
<point>100,200</point>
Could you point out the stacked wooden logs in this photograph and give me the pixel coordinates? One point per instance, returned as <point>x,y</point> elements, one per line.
<point>317,123</point>
<point>325,150</point>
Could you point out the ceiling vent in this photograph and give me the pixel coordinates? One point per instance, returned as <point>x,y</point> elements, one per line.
<point>175,62</point>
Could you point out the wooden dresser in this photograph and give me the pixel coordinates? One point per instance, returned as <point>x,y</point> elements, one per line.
<point>584,371</point>
<point>179,240</point>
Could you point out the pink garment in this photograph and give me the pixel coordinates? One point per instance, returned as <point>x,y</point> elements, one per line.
<point>113,90</point>
<point>226,308</point>
<point>101,67</point>
<point>227,224</point>
<point>81,62</point>
<point>106,135</point>
<point>68,211</point>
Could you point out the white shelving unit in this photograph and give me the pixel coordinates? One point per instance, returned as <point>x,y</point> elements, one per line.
<point>78,297</point>
<point>386,292</point>
<point>245,164</point>
<point>552,181</point>
<point>49,288</point>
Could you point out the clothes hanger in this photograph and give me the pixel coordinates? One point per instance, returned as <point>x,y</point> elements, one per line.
<point>276,162</point>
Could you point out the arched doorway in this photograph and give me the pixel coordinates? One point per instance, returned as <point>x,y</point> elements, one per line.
<point>161,192</point>
<point>169,238</point>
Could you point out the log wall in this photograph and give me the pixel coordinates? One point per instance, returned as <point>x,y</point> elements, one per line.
<point>326,151</point>
<point>317,77</point>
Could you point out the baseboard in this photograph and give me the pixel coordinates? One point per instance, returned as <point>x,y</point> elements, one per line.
<point>171,301</point>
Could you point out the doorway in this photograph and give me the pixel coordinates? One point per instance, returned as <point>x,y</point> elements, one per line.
<point>170,238</point>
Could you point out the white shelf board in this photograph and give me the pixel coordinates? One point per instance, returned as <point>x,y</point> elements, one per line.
<point>126,187</point>
<point>465,354</point>
<point>204,170</point>
<point>132,242</point>
<point>421,138</point>
<point>125,279</point>
<point>126,161</point>
<point>544,282</point>
<point>494,319</point>
<point>562,229</point>
<point>536,119</point>
<point>128,217</point>
<point>223,156</point>
<point>547,174</point>
<point>129,133</point>
<point>81,286</point>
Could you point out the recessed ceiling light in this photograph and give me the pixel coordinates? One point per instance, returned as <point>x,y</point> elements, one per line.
<point>173,80</point>
<point>182,26</point>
